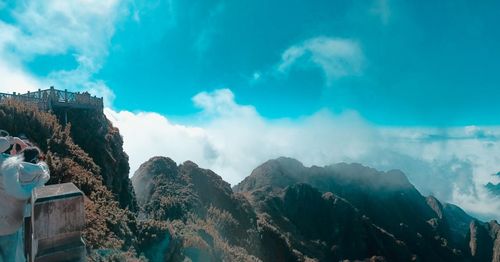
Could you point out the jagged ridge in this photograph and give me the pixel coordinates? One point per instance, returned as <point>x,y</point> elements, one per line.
<point>342,211</point>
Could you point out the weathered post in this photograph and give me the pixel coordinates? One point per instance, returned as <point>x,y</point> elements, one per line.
<point>57,221</point>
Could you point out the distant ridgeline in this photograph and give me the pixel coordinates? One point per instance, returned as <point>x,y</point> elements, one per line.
<point>51,98</point>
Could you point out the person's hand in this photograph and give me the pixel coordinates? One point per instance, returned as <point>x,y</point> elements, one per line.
<point>17,145</point>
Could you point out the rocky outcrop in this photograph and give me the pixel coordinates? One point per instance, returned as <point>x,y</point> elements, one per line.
<point>94,133</point>
<point>211,222</point>
<point>484,242</point>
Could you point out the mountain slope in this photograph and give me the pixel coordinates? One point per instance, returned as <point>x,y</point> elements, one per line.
<point>430,230</point>
<point>95,134</point>
<point>208,220</point>
<point>109,229</point>
<point>311,225</point>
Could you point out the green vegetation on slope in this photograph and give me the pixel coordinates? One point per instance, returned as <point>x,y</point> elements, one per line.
<point>110,230</point>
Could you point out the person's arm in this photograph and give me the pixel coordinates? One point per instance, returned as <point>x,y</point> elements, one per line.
<point>33,175</point>
<point>19,178</point>
<point>10,177</point>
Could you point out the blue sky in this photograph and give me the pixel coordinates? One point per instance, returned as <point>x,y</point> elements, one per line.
<point>424,63</point>
<point>410,85</point>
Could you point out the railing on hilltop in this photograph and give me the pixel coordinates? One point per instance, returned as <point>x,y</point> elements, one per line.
<point>52,98</point>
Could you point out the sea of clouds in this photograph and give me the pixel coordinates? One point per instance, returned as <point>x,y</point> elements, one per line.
<point>453,164</point>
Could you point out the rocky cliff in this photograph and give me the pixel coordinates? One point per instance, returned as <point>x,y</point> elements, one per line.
<point>95,134</point>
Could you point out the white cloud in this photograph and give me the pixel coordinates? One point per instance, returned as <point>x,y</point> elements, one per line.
<point>234,139</point>
<point>80,28</point>
<point>337,57</point>
<point>221,103</point>
<point>14,79</point>
<point>56,26</point>
<point>452,164</point>
<point>150,134</point>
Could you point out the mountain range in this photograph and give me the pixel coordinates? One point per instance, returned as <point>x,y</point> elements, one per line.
<point>283,211</point>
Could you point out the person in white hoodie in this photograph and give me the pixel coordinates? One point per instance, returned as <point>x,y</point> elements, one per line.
<point>20,173</point>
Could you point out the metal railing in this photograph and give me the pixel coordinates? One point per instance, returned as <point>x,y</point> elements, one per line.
<point>53,98</point>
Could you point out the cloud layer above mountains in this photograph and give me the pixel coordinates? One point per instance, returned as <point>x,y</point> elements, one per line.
<point>232,139</point>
